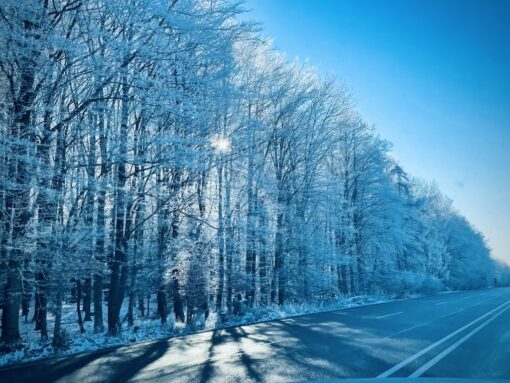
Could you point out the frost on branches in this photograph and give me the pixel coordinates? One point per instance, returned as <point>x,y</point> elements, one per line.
<point>161,161</point>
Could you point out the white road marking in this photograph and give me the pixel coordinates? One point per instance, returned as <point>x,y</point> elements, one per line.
<point>422,324</point>
<point>415,356</point>
<point>433,320</point>
<point>389,315</point>
<point>440,303</point>
<point>431,363</point>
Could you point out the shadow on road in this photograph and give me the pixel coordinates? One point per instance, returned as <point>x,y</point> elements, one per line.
<point>323,346</point>
<point>114,365</point>
<point>229,335</point>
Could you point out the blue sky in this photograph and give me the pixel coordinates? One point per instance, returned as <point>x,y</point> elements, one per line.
<point>432,76</point>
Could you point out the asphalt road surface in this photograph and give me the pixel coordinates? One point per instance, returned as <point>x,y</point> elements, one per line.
<point>459,335</point>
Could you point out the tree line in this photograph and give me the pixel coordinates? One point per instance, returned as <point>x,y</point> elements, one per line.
<point>163,148</point>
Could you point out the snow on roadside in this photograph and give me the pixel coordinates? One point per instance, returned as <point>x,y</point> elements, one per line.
<point>151,329</point>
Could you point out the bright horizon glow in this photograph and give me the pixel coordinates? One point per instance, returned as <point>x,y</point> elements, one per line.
<point>431,76</point>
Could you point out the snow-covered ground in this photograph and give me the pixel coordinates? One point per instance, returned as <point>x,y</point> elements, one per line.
<point>150,328</point>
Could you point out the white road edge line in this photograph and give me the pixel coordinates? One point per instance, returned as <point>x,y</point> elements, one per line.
<point>431,363</point>
<point>389,315</point>
<point>440,303</point>
<point>398,366</point>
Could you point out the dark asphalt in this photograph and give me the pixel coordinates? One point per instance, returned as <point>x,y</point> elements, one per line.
<point>458,335</point>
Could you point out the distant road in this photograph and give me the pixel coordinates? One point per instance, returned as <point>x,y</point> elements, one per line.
<point>464,335</point>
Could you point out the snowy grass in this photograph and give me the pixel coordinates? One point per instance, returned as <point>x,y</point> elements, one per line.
<point>150,328</point>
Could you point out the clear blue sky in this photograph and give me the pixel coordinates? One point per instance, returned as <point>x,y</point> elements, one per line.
<point>433,77</point>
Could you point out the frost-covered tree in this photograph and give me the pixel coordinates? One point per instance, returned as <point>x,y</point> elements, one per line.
<point>163,150</point>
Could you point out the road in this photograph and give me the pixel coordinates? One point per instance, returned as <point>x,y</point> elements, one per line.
<point>464,335</point>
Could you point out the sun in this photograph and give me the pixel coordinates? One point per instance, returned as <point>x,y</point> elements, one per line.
<point>220,144</point>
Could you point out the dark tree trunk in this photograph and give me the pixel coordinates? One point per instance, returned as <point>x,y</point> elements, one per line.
<point>279,272</point>
<point>163,231</point>
<point>141,305</point>
<point>11,304</point>
<point>176,287</point>
<point>25,302</point>
<point>100,221</point>
<point>251,254</point>
<point>98,303</point>
<point>40,314</point>
<point>264,285</point>
<point>118,264</point>
<point>87,298</point>
<point>229,239</point>
<point>162,304</point>
<point>221,242</point>
<point>176,293</point>
<point>78,301</point>
<point>17,206</point>
<point>37,308</point>
<point>130,309</point>
<point>57,331</point>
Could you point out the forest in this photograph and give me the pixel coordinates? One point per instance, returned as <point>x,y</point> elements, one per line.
<point>163,151</point>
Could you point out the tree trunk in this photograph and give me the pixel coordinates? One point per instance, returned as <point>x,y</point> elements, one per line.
<point>25,300</point>
<point>11,304</point>
<point>279,283</point>
<point>176,288</point>
<point>176,294</point>
<point>141,305</point>
<point>163,231</point>
<point>162,304</point>
<point>251,254</point>
<point>87,298</point>
<point>17,199</point>
<point>221,241</point>
<point>263,277</point>
<point>100,225</point>
<point>130,309</point>
<point>78,301</point>
<point>229,239</point>
<point>118,264</point>
<point>57,331</point>
<point>98,303</point>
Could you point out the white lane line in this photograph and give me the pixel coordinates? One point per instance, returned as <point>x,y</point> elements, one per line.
<point>389,315</point>
<point>415,356</point>
<point>422,324</point>
<point>433,320</point>
<point>440,303</point>
<point>431,363</point>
